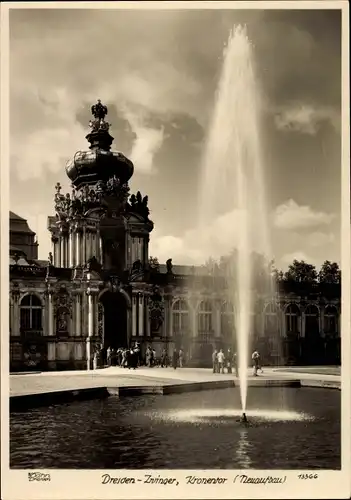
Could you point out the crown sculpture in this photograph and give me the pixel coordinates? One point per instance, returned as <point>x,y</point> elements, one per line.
<point>99,177</point>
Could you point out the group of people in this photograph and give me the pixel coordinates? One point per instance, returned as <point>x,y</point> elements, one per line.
<point>220,361</point>
<point>124,357</point>
<point>132,358</point>
<point>175,360</point>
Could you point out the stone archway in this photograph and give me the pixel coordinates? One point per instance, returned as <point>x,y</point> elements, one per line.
<point>115,319</point>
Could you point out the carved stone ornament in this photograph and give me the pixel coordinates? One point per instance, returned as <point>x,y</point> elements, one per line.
<point>139,205</point>
<point>156,310</point>
<point>137,272</point>
<point>100,321</point>
<point>62,299</point>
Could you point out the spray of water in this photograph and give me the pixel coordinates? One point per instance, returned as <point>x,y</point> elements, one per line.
<point>233,180</point>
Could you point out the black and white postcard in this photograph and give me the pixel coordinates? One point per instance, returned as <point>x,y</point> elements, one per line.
<point>175,250</point>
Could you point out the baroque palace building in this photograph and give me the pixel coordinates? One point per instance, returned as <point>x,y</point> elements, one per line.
<point>99,289</point>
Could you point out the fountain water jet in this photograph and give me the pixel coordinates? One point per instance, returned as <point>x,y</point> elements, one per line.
<point>233,181</point>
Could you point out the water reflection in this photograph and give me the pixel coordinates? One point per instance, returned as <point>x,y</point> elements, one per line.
<point>183,431</point>
<point>242,451</point>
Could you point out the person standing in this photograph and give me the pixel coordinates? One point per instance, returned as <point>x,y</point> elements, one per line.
<point>175,359</point>
<point>235,363</point>
<point>229,360</point>
<point>148,357</point>
<point>221,359</point>
<point>154,357</point>
<point>181,358</point>
<point>256,362</point>
<point>108,356</point>
<point>215,361</point>
<point>164,358</point>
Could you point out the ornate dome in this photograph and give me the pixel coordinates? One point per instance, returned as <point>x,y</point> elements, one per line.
<point>99,164</point>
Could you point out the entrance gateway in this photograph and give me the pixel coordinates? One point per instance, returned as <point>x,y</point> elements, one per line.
<point>115,319</point>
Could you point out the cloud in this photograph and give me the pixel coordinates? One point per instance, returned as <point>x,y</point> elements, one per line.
<point>146,143</point>
<point>288,258</point>
<point>305,118</point>
<point>319,239</point>
<point>215,239</point>
<point>290,215</point>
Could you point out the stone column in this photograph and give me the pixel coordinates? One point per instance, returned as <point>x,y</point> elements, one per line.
<point>90,327</point>
<point>84,246</point>
<point>97,246</point>
<point>78,315</point>
<point>193,322</point>
<point>87,245</point>
<point>77,248</point>
<point>73,236</point>
<point>134,314</point>
<point>50,314</point>
<point>16,315</point>
<point>217,320</point>
<point>148,325</point>
<point>62,250</point>
<point>70,249</point>
<point>59,251</point>
<point>101,253</point>
<point>141,315</point>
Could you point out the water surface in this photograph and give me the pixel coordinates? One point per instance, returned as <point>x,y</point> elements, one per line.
<point>159,432</point>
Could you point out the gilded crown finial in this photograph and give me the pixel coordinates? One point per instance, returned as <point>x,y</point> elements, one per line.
<point>99,111</point>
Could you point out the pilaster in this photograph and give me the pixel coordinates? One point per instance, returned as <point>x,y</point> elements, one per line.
<point>15,330</point>
<point>134,314</point>
<point>141,315</point>
<point>91,293</point>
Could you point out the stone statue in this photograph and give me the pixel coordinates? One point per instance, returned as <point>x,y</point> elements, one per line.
<point>169,266</point>
<point>137,265</point>
<point>139,198</point>
<point>62,323</point>
<point>93,265</point>
<point>50,258</point>
<point>132,201</point>
<point>144,209</point>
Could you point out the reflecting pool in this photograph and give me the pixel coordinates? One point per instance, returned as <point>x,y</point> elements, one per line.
<point>289,429</point>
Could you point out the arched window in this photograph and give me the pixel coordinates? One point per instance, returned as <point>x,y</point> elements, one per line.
<point>205,317</point>
<point>311,321</point>
<point>292,318</point>
<point>331,317</point>
<point>271,319</point>
<point>180,317</point>
<point>227,320</point>
<point>31,313</point>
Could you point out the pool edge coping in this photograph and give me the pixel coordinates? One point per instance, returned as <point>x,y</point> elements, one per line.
<point>22,402</point>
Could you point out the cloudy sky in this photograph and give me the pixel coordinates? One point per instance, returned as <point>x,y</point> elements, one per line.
<point>158,71</point>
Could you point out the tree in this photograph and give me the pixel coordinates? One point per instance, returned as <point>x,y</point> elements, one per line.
<point>276,274</point>
<point>329,273</point>
<point>301,272</point>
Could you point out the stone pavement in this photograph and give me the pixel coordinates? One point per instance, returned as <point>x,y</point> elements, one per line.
<point>44,382</point>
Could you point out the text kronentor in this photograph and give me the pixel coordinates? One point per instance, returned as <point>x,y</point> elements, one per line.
<point>205,480</point>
